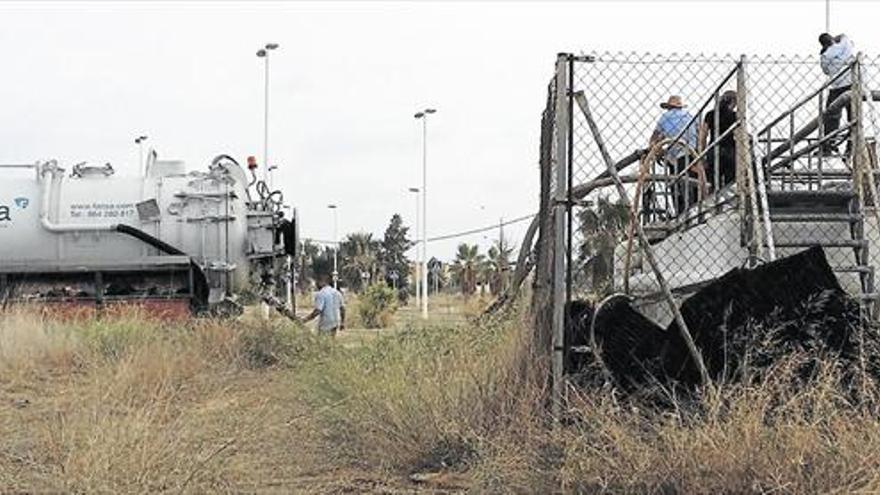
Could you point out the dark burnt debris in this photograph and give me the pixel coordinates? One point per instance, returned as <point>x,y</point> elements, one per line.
<point>742,323</point>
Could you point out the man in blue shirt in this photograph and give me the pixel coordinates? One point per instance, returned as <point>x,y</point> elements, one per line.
<point>671,123</point>
<point>330,306</point>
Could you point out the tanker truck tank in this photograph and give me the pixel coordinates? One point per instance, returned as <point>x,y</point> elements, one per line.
<point>170,237</point>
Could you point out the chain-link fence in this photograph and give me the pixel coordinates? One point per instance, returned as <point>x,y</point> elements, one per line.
<point>728,161</point>
<point>694,219</point>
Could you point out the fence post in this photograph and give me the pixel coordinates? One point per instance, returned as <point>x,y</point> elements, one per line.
<point>858,135</point>
<point>745,184</point>
<point>742,83</point>
<point>560,195</point>
<point>716,153</point>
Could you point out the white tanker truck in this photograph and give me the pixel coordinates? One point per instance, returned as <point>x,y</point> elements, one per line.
<point>172,238</point>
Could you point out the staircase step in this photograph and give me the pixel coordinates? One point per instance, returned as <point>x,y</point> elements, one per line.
<point>854,269</point>
<point>824,243</point>
<point>815,195</point>
<point>815,217</point>
<point>827,201</point>
<point>835,174</point>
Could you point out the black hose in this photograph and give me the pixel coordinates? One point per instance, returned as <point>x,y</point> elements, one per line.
<point>217,159</point>
<point>147,238</point>
<point>200,281</point>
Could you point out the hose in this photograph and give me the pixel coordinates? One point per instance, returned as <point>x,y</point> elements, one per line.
<point>220,158</point>
<point>200,281</point>
<point>272,200</point>
<point>147,238</point>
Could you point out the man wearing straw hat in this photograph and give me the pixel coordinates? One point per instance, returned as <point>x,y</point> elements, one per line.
<point>674,120</point>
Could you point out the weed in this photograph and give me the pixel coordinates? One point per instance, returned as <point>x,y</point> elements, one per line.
<point>377,306</point>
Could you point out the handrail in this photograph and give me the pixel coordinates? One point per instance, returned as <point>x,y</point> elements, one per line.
<point>810,147</point>
<point>803,101</point>
<point>813,124</point>
<point>709,147</point>
<point>712,96</point>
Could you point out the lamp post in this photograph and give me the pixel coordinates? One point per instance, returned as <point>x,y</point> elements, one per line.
<point>415,191</point>
<point>423,116</point>
<point>335,244</point>
<point>263,53</point>
<point>140,142</point>
<point>827,16</point>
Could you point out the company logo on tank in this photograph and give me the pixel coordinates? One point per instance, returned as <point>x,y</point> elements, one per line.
<point>7,210</point>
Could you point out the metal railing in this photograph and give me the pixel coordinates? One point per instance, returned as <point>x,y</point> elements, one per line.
<point>800,134</point>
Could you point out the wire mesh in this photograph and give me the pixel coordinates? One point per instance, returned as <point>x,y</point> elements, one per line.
<point>701,227</point>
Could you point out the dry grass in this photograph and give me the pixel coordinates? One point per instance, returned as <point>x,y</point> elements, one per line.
<point>765,438</point>
<point>454,400</point>
<point>130,405</point>
<point>133,405</point>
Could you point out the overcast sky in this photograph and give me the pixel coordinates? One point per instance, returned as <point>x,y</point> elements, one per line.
<point>81,80</point>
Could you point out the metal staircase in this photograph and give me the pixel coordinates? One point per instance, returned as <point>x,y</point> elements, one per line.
<point>818,218</point>
<point>815,207</point>
<point>814,199</point>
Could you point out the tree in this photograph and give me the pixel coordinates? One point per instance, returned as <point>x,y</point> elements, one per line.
<point>498,267</point>
<point>359,260</point>
<point>436,275</point>
<point>392,255</point>
<point>305,265</point>
<point>602,229</point>
<point>466,267</point>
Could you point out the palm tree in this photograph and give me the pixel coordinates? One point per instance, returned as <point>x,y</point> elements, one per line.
<point>359,254</point>
<point>602,228</point>
<point>466,267</point>
<point>498,267</point>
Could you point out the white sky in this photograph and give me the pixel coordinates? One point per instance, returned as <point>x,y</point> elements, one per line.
<point>81,80</point>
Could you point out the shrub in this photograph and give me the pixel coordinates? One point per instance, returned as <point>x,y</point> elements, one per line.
<point>377,306</point>
<point>265,344</point>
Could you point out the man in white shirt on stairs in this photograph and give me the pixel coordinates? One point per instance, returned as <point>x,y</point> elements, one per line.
<point>836,54</point>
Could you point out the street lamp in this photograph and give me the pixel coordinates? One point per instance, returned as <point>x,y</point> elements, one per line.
<point>423,116</point>
<point>335,244</point>
<point>263,53</point>
<point>415,191</point>
<point>140,142</point>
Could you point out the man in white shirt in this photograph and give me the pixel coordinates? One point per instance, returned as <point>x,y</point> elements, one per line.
<point>330,306</point>
<point>836,55</point>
